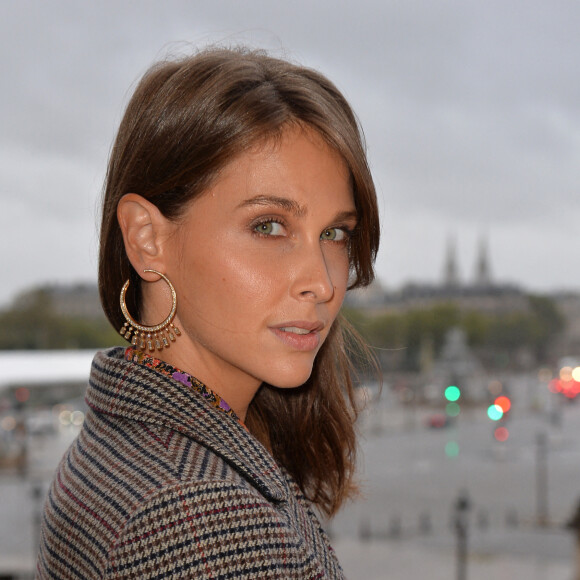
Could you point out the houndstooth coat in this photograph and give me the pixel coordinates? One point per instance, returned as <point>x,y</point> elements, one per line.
<point>159,484</point>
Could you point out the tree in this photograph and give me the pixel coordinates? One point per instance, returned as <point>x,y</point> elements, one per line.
<point>33,324</point>
<point>497,337</point>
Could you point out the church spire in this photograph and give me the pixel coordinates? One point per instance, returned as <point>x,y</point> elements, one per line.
<point>482,269</point>
<point>451,274</point>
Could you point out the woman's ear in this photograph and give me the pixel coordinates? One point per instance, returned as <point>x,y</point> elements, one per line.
<point>144,230</point>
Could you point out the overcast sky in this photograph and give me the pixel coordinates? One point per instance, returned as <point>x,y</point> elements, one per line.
<point>471,112</point>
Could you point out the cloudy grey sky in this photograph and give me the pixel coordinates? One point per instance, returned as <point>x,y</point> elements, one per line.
<point>471,111</point>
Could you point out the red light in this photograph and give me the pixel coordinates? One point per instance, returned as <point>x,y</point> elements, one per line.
<point>503,403</point>
<point>569,388</point>
<point>501,434</point>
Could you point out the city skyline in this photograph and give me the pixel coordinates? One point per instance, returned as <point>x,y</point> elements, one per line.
<point>470,111</point>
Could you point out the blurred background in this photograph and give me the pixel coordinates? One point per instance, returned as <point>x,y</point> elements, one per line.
<point>470,455</point>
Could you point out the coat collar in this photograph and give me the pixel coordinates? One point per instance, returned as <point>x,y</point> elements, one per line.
<point>125,389</point>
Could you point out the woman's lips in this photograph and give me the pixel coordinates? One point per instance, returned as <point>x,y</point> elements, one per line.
<point>299,336</point>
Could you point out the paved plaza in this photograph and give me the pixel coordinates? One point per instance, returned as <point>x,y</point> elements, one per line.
<point>402,525</point>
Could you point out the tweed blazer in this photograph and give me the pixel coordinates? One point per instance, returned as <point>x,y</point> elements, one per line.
<point>160,484</point>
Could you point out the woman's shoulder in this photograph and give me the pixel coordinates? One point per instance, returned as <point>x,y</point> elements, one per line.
<point>121,480</point>
<point>146,457</point>
<point>214,526</point>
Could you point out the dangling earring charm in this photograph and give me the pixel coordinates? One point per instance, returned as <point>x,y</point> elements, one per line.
<point>152,337</point>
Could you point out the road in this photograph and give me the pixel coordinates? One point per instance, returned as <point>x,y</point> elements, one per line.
<point>410,486</point>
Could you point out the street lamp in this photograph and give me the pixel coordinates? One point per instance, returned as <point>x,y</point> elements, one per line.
<point>461,521</point>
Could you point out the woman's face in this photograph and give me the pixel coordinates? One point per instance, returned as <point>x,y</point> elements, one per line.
<point>260,265</point>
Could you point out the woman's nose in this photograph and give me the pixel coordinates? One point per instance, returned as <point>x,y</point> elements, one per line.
<point>313,280</point>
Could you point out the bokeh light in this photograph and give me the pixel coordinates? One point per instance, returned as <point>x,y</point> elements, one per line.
<point>64,417</point>
<point>8,423</point>
<point>494,412</point>
<point>503,403</point>
<point>501,434</point>
<point>452,393</point>
<point>495,388</point>
<point>566,373</point>
<point>452,449</point>
<point>22,394</point>
<point>568,383</point>
<point>77,418</point>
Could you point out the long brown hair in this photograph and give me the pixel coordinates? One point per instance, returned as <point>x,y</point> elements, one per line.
<point>188,118</point>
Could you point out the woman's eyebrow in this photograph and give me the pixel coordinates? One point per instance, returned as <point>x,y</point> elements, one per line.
<point>282,202</point>
<point>346,216</point>
<point>292,206</point>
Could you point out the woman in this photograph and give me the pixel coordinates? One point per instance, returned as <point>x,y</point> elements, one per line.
<point>238,200</point>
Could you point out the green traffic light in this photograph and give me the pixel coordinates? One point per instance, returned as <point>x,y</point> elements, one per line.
<point>452,393</point>
<point>494,412</point>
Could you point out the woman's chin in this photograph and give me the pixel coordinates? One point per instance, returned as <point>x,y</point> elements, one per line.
<point>289,380</point>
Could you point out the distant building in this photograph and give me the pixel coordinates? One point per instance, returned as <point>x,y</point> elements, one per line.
<point>69,301</point>
<point>481,294</point>
<point>493,299</point>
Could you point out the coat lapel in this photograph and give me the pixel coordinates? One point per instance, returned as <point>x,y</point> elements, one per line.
<point>126,389</point>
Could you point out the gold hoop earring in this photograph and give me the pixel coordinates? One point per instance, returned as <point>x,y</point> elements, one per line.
<point>154,337</point>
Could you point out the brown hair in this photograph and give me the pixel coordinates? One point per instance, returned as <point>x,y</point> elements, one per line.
<point>187,119</point>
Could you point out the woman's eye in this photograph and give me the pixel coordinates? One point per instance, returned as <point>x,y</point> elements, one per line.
<point>270,228</point>
<point>334,235</point>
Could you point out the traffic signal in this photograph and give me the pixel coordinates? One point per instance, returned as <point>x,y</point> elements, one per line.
<point>501,433</point>
<point>452,395</point>
<point>498,411</point>
<point>452,409</point>
<point>499,408</point>
<point>503,403</point>
<point>494,412</point>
